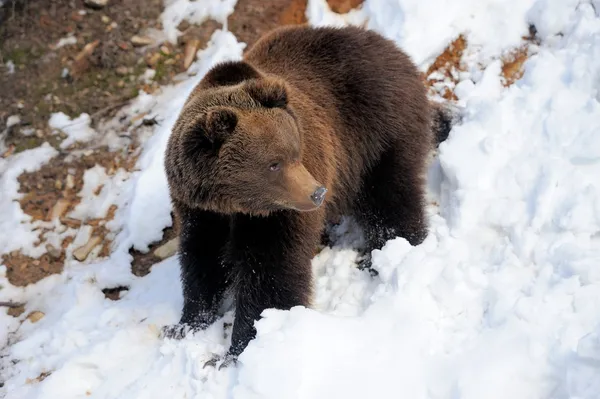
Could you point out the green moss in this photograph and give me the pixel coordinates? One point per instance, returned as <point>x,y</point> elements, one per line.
<point>22,56</point>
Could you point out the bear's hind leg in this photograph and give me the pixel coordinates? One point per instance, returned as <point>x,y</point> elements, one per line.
<point>205,278</point>
<point>392,202</point>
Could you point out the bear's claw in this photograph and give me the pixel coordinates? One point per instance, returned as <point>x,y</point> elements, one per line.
<point>228,360</point>
<point>174,331</point>
<point>365,263</point>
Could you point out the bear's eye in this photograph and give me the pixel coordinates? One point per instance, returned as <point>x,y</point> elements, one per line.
<point>275,166</point>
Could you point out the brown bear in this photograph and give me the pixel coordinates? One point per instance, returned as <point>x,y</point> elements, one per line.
<point>313,123</point>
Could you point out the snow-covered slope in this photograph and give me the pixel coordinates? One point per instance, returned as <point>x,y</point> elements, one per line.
<point>501,301</point>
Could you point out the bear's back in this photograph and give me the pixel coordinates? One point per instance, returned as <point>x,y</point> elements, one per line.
<point>360,77</point>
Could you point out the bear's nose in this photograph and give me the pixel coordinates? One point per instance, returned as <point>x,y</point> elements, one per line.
<point>318,196</point>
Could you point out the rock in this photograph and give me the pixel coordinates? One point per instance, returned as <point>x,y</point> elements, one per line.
<point>153,59</point>
<point>58,209</point>
<point>81,62</point>
<point>82,252</point>
<point>95,4</point>
<point>16,311</point>
<point>52,251</point>
<point>165,50</point>
<point>189,53</point>
<point>70,181</point>
<point>35,316</point>
<point>167,249</point>
<point>140,41</point>
<point>105,19</point>
<point>122,70</point>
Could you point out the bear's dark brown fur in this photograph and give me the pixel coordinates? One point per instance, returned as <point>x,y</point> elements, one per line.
<point>256,142</point>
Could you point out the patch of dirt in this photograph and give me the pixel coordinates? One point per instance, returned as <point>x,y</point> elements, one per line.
<point>97,68</point>
<point>52,192</point>
<point>23,270</point>
<point>37,379</point>
<point>512,64</point>
<point>344,6</point>
<point>447,64</point>
<point>142,262</point>
<point>114,294</point>
<point>252,18</point>
<point>13,309</point>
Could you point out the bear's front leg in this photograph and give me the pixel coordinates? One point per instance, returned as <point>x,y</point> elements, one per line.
<point>203,236</point>
<point>272,257</point>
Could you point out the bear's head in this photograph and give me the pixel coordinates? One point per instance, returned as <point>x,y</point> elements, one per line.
<point>237,147</point>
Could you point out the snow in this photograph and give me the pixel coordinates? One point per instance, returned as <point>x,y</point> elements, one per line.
<point>12,120</point>
<point>10,67</point>
<point>77,130</point>
<point>14,234</point>
<point>195,12</point>
<point>501,300</point>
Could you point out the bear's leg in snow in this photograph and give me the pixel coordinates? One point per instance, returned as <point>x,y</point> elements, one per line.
<point>392,202</point>
<point>272,257</point>
<point>203,236</point>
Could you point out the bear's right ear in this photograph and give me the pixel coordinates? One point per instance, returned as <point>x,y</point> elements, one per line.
<point>268,92</point>
<point>228,73</point>
<point>219,123</point>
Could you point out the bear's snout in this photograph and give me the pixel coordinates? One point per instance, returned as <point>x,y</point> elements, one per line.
<point>303,192</point>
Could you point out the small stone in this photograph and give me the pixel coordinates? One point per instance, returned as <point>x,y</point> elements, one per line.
<point>165,50</point>
<point>70,181</point>
<point>95,4</point>
<point>39,133</point>
<point>123,45</point>
<point>190,50</point>
<point>81,62</point>
<point>105,19</point>
<point>140,41</point>
<point>52,251</point>
<point>153,59</point>
<point>58,184</point>
<point>121,83</point>
<point>167,249</point>
<point>35,316</point>
<point>16,311</point>
<point>122,70</point>
<point>36,262</point>
<point>59,209</point>
<point>82,252</point>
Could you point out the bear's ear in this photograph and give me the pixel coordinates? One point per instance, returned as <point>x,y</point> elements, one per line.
<point>219,123</point>
<point>229,73</point>
<point>270,93</point>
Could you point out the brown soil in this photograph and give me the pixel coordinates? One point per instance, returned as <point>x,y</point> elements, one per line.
<point>344,6</point>
<point>143,262</point>
<point>57,183</point>
<point>252,18</point>
<point>447,62</point>
<point>114,294</point>
<point>512,64</point>
<point>95,75</point>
